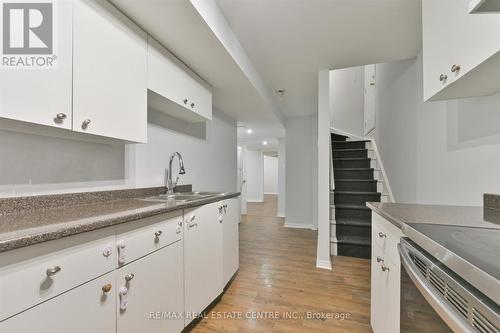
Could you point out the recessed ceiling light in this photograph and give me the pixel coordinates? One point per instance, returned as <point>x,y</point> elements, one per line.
<point>264,143</point>
<point>249,131</point>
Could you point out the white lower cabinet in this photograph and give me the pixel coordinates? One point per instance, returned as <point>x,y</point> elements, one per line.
<point>385,276</point>
<point>150,293</point>
<point>202,258</point>
<point>151,275</point>
<point>84,309</point>
<point>230,234</point>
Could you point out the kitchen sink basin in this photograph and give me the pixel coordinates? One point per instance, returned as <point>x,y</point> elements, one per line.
<point>181,197</point>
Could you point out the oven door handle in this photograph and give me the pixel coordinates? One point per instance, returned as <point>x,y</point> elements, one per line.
<point>456,323</point>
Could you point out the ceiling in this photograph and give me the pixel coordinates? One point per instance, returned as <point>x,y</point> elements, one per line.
<point>286,42</point>
<point>289,41</point>
<point>178,26</point>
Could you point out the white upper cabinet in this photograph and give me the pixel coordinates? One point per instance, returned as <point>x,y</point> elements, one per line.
<point>461,51</point>
<point>174,88</point>
<point>39,93</point>
<point>109,73</point>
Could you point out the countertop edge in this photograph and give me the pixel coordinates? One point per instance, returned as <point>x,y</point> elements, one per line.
<point>395,221</point>
<point>106,221</point>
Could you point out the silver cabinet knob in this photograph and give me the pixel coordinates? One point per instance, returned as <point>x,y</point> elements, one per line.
<point>60,117</point>
<point>384,268</point>
<point>158,233</point>
<point>455,68</point>
<point>185,101</point>
<point>192,222</point>
<point>53,270</point>
<point>192,105</point>
<point>85,123</point>
<point>443,77</point>
<point>129,277</point>
<point>106,288</point>
<point>382,235</point>
<point>379,259</point>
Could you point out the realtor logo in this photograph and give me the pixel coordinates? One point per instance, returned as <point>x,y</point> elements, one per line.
<point>28,34</point>
<point>27,28</point>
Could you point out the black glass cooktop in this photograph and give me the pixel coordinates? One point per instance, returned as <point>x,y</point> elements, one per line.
<point>478,246</point>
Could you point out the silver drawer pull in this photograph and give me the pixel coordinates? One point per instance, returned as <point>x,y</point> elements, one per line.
<point>53,270</point>
<point>384,268</point>
<point>443,77</point>
<point>129,277</point>
<point>379,259</point>
<point>158,233</point>
<point>382,235</point>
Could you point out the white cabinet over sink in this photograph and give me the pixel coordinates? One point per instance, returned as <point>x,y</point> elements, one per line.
<point>174,88</point>
<point>461,51</point>
<point>109,73</point>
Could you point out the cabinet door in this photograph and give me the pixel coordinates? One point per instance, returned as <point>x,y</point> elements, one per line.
<point>81,310</point>
<point>154,295</point>
<point>38,95</point>
<point>385,293</point>
<point>202,257</point>
<point>230,244</point>
<point>110,73</point>
<point>476,37</point>
<point>438,46</point>
<point>171,79</point>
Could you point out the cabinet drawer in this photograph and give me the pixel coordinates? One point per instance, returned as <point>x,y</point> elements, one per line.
<point>84,309</point>
<point>386,236</point>
<point>137,239</point>
<point>25,279</point>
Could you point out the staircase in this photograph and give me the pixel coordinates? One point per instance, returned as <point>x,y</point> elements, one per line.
<point>355,185</point>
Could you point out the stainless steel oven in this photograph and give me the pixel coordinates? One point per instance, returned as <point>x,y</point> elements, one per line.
<point>435,299</point>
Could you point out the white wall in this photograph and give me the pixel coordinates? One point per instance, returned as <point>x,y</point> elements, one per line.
<point>34,164</point>
<point>270,175</point>
<point>255,176</point>
<point>281,177</point>
<point>445,152</point>
<point>210,162</point>
<point>347,99</point>
<point>301,171</point>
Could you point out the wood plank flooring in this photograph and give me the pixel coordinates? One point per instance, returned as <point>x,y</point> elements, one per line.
<point>278,278</point>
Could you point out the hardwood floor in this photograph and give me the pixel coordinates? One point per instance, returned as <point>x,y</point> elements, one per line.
<point>278,277</point>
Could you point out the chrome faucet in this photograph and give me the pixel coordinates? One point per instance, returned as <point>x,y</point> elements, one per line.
<point>169,183</point>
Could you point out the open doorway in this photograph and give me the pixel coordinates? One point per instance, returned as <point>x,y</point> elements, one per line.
<point>271,178</point>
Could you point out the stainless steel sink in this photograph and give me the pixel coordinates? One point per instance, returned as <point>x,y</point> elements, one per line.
<point>181,197</point>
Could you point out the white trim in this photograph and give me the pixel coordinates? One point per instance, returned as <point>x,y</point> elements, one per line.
<point>256,200</point>
<point>300,226</point>
<point>324,264</point>
<point>281,214</point>
<point>381,166</point>
<point>273,193</point>
<point>340,132</point>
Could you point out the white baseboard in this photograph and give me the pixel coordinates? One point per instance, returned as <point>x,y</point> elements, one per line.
<point>253,201</point>
<point>281,214</point>
<point>273,193</point>
<point>299,226</point>
<point>324,264</point>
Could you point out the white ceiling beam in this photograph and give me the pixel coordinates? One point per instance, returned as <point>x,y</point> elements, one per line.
<point>215,20</point>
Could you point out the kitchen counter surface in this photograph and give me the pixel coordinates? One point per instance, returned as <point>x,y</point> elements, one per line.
<point>467,216</point>
<point>24,227</point>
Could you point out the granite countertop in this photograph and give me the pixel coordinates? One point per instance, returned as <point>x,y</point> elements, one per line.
<point>24,227</point>
<point>400,214</point>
